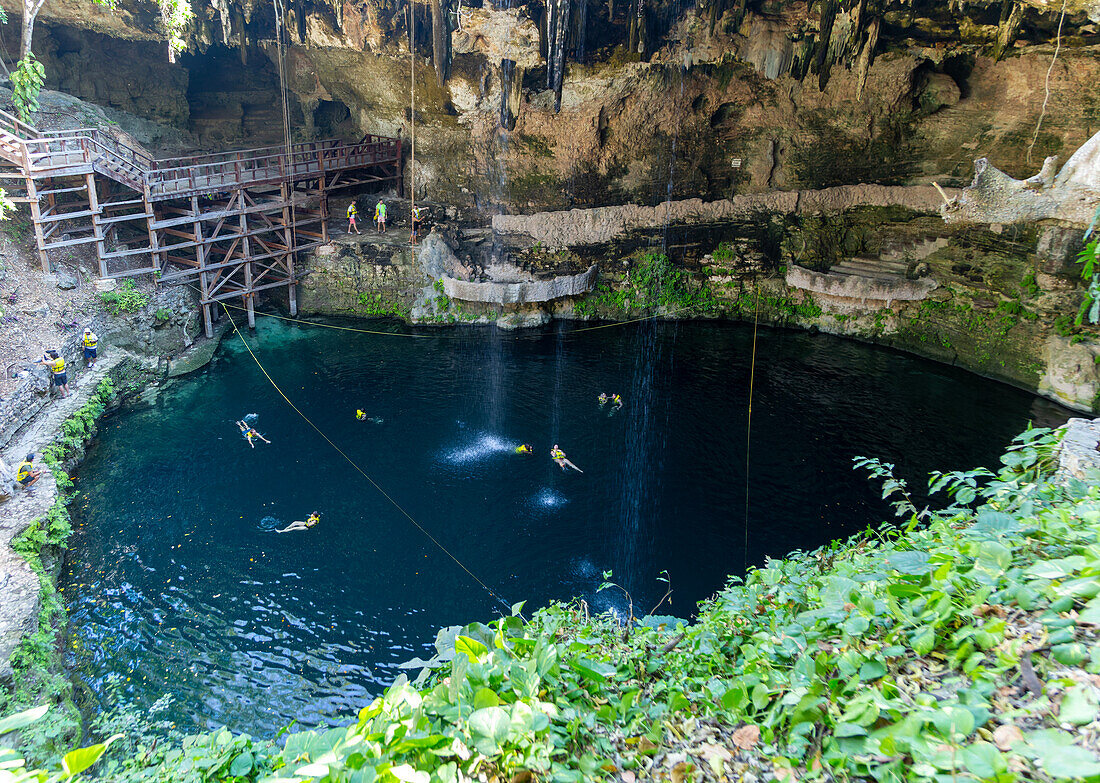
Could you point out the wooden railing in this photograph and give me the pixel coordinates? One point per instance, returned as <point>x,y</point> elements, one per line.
<point>53,150</point>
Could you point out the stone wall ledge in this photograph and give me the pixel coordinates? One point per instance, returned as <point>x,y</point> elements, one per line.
<point>528,292</point>
<point>600,225</point>
<point>859,288</point>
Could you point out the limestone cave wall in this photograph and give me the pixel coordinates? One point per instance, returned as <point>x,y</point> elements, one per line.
<point>637,101</point>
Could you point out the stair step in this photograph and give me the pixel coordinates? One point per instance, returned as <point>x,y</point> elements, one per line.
<point>71,242</point>
<point>124,218</point>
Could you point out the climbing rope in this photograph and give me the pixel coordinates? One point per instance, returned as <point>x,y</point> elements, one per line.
<point>748,428</point>
<point>412,130</point>
<point>280,19</point>
<point>361,472</point>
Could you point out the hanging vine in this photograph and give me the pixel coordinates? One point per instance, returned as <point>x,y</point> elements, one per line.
<point>26,84</point>
<point>176,16</point>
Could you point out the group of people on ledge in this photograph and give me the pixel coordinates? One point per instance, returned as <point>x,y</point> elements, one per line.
<point>55,362</point>
<point>419,216</point>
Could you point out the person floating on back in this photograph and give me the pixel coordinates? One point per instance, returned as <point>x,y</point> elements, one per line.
<point>524,448</point>
<point>250,434</point>
<point>558,456</point>
<point>53,360</point>
<point>353,212</point>
<point>380,216</point>
<point>26,474</point>
<point>298,524</point>
<point>91,346</point>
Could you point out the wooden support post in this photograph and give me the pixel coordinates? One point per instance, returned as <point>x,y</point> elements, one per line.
<point>324,209</point>
<point>286,192</point>
<point>36,220</point>
<point>204,279</point>
<point>97,229</point>
<point>246,249</point>
<point>154,240</point>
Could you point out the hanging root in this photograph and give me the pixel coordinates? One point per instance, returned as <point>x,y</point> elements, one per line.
<point>1046,96</point>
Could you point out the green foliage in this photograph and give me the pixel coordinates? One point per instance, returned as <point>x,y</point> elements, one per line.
<point>376,306</point>
<point>654,282</point>
<point>1029,286</point>
<point>39,674</point>
<point>124,299</point>
<point>1089,258</point>
<point>16,229</point>
<point>176,16</point>
<point>891,657</point>
<point>162,314</point>
<point>26,84</point>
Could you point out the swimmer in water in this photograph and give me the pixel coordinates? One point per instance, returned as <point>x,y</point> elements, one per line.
<point>360,415</point>
<point>524,448</point>
<point>249,433</point>
<point>616,400</point>
<point>314,518</point>
<point>603,399</point>
<point>558,456</point>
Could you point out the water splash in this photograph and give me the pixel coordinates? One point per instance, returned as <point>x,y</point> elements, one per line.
<point>549,498</point>
<point>269,523</point>
<point>484,446</point>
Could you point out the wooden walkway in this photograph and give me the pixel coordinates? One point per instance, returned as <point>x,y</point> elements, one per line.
<point>233,222</point>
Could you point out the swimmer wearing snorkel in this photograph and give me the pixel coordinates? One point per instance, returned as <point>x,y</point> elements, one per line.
<point>250,432</point>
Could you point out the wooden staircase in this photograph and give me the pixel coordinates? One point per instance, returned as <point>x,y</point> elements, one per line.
<point>234,222</point>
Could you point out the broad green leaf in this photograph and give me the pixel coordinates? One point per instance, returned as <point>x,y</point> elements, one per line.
<point>474,649</point>
<point>923,640</point>
<point>1079,706</point>
<point>407,774</point>
<point>954,721</point>
<point>490,722</point>
<point>1069,762</point>
<point>76,761</point>
<point>241,765</point>
<point>485,697</point>
<point>592,670</point>
<point>21,719</point>
<point>909,562</point>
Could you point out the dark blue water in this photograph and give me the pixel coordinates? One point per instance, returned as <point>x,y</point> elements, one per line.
<point>175,583</point>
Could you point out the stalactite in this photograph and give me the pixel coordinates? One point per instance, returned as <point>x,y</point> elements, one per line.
<point>561,27</point>
<point>441,41</point>
<point>639,34</point>
<point>1012,13</point>
<point>511,93</point>
<point>579,29</point>
<point>867,56</point>
<point>242,34</point>
<point>551,37</point>
<point>223,15</point>
<point>822,63</point>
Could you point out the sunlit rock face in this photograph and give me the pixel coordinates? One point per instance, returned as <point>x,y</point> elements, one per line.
<point>710,102</point>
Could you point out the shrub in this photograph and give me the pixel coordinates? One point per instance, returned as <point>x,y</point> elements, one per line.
<point>125,299</point>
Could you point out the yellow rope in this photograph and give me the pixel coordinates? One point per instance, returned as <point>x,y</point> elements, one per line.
<point>748,427</point>
<point>352,462</point>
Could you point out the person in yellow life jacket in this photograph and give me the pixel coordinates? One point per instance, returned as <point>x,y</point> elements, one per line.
<point>91,347</point>
<point>558,456</point>
<point>26,474</point>
<point>249,433</point>
<point>524,448</point>
<point>353,212</point>
<point>419,215</point>
<point>360,415</point>
<point>380,216</point>
<point>602,399</point>
<point>52,359</point>
<point>616,400</point>
<point>314,518</point>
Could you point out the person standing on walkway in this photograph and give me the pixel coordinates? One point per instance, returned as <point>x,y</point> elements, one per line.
<point>91,347</point>
<point>353,212</point>
<point>380,216</point>
<point>53,360</point>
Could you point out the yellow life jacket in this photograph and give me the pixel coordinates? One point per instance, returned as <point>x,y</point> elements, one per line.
<point>90,341</point>
<point>557,454</point>
<point>313,520</point>
<point>352,211</point>
<point>380,211</point>
<point>24,470</point>
<point>522,449</point>
<point>57,366</point>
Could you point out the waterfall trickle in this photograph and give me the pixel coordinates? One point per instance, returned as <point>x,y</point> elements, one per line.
<point>644,450</point>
